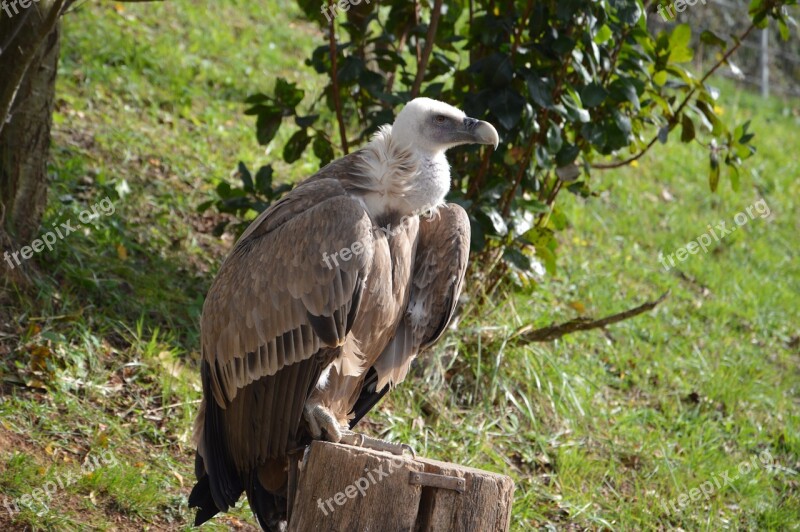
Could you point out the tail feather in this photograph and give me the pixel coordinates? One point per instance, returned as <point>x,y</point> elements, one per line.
<point>202,499</point>
<point>270,509</point>
<point>218,484</point>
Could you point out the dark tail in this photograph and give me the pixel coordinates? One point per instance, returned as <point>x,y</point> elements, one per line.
<point>270,509</point>
<point>368,398</point>
<point>218,485</point>
<point>201,498</point>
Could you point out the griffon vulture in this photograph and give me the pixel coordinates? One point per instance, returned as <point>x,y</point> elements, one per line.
<point>324,302</point>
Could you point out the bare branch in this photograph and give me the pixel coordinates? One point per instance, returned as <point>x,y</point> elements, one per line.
<point>337,103</point>
<point>430,37</point>
<point>528,334</point>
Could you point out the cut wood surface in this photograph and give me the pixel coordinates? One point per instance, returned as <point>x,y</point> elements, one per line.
<point>345,488</point>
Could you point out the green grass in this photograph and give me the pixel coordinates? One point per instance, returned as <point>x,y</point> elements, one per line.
<point>599,429</point>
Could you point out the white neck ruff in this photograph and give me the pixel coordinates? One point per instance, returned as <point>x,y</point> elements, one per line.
<point>400,178</point>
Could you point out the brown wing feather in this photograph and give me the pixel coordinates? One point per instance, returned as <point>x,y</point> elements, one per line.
<point>439,270</point>
<point>275,301</point>
<point>440,263</point>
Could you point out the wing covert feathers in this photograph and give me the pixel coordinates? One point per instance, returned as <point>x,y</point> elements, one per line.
<point>285,291</point>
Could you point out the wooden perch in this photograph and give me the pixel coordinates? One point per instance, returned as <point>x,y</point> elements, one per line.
<point>547,334</point>
<point>340,487</point>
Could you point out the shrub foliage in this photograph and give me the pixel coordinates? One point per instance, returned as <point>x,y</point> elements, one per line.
<point>573,87</point>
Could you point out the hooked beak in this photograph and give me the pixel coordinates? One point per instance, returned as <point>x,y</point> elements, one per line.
<point>481,132</point>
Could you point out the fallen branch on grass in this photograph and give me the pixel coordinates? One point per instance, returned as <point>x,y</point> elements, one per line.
<point>548,334</point>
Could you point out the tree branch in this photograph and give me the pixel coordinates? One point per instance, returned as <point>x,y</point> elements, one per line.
<point>430,37</point>
<point>337,103</point>
<point>528,334</point>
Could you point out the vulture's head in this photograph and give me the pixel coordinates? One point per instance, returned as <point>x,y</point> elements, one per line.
<point>432,126</point>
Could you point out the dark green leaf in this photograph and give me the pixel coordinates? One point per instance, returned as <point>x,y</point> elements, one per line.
<point>733,175</point>
<point>267,124</point>
<point>541,91</point>
<point>203,207</point>
<point>264,179</point>
<point>687,129</point>
<point>506,105</point>
<point>517,259</point>
<point>713,171</point>
<point>258,97</point>
<point>567,154</point>
<point>322,149</point>
<point>709,37</point>
<point>305,121</point>
<point>574,110</point>
<point>593,95</point>
<point>628,11</point>
<point>624,89</point>
<point>554,139</point>
<point>287,93</point>
<point>246,177</point>
<point>296,145</point>
<point>224,190</point>
<point>350,69</point>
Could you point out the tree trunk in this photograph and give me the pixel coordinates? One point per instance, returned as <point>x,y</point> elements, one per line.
<point>28,59</point>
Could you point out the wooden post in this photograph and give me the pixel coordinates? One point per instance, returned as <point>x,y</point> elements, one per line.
<point>340,487</point>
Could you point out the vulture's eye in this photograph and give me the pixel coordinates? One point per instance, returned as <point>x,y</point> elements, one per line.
<point>440,119</point>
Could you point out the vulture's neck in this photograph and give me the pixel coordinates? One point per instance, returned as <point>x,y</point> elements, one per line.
<point>399,179</point>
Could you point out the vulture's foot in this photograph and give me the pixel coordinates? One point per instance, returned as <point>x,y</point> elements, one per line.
<point>323,425</point>
<point>321,420</point>
<point>359,440</point>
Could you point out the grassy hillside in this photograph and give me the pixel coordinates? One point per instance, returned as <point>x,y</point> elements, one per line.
<point>617,429</point>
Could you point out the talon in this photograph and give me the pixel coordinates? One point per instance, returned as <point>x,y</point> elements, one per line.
<point>321,419</point>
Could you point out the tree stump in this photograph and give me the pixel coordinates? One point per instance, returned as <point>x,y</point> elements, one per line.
<point>345,488</point>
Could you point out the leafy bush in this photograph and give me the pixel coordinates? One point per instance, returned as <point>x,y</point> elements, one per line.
<point>572,86</point>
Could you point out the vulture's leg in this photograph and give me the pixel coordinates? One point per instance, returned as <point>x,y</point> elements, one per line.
<point>323,424</point>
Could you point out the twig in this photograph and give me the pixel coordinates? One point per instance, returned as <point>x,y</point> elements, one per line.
<point>430,37</point>
<point>174,405</point>
<point>337,103</point>
<point>547,334</point>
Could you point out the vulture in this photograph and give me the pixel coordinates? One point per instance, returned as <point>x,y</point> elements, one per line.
<point>323,303</point>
